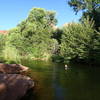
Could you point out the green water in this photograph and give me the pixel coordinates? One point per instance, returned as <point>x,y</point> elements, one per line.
<point>53,82</point>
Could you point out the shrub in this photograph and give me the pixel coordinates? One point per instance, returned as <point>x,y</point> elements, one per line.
<point>10,54</point>
<point>76,40</point>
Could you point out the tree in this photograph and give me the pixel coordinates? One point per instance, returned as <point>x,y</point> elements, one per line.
<point>76,41</point>
<point>33,36</point>
<point>89,8</point>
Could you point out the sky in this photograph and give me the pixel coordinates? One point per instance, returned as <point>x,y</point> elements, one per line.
<point>13,12</point>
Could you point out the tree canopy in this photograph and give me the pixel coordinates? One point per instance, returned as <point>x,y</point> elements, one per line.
<point>89,8</point>
<point>33,36</point>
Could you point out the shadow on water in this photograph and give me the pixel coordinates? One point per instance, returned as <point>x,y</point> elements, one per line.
<point>53,82</point>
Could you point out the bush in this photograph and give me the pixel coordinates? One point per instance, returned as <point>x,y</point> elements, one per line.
<point>10,54</point>
<point>2,42</point>
<point>76,41</point>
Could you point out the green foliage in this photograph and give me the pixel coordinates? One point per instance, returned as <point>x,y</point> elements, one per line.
<point>40,15</point>
<point>2,42</point>
<point>94,52</point>
<point>10,54</point>
<point>36,38</point>
<point>89,8</point>
<point>37,32</point>
<point>88,5</point>
<point>33,36</point>
<point>76,40</point>
<point>17,40</point>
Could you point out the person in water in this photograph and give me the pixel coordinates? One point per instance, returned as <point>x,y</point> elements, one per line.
<point>66,67</point>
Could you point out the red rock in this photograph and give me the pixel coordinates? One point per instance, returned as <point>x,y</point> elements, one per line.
<point>12,68</point>
<point>3,32</point>
<point>14,86</point>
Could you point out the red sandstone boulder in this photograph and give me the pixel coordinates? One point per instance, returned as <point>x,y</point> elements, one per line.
<point>12,68</point>
<point>14,86</point>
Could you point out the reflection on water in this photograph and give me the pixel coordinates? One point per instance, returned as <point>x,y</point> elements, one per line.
<point>53,82</point>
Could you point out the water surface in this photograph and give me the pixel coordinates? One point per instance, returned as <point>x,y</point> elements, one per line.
<point>53,82</point>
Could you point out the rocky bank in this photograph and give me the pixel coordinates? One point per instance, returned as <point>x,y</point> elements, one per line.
<point>13,85</point>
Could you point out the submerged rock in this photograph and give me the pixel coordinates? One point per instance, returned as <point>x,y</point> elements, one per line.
<point>14,86</point>
<point>12,68</point>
